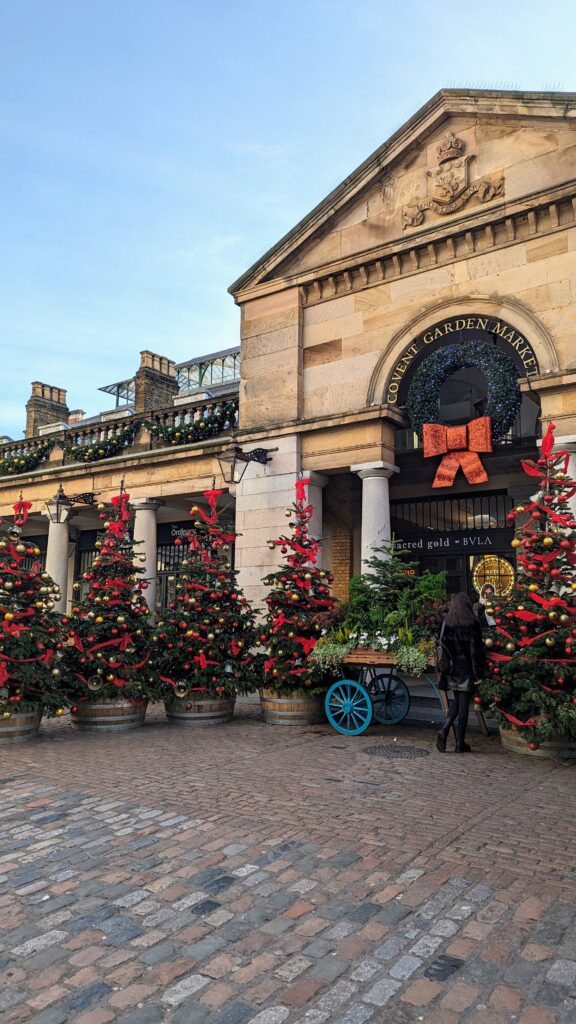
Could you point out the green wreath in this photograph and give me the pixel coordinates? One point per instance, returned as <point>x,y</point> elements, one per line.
<point>503,394</point>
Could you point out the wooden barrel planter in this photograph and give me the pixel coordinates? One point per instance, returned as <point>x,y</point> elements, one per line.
<point>21,726</point>
<point>562,748</point>
<point>298,709</point>
<point>108,715</point>
<point>209,711</point>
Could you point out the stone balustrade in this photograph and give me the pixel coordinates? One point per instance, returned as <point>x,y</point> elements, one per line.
<point>176,424</point>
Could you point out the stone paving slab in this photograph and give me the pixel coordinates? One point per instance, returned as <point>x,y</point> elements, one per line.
<point>249,874</point>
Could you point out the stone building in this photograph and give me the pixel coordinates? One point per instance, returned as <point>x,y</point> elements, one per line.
<point>436,276</point>
<point>459,232</point>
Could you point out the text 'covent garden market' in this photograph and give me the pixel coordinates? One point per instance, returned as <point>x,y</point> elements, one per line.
<point>381,341</point>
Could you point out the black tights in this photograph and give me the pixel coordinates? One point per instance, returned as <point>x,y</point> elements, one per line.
<point>458,712</point>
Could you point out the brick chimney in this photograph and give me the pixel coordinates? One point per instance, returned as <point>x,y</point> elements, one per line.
<point>45,405</point>
<point>155,384</point>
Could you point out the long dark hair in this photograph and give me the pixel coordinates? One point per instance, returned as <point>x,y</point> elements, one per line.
<point>460,612</point>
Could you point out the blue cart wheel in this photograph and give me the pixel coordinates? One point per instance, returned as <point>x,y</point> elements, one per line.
<point>390,698</point>
<point>348,707</point>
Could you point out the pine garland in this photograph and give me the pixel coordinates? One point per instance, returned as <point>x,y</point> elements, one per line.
<point>503,399</point>
<point>12,465</point>
<point>223,417</point>
<point>103,449</point>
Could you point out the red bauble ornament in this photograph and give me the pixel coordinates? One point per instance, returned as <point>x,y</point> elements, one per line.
<point>73,709</point>
<point>477,700</point>
<point>532,746</point>
<point>565,544</point>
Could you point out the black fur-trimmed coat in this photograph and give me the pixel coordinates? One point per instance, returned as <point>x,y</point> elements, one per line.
<point>467,650</point>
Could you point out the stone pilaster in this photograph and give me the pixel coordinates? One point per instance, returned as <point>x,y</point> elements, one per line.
<point>146,541</point>
<point>376,523</point>
<point>58,553</point>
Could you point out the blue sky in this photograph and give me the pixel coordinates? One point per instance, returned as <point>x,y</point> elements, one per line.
<point>151,150</point>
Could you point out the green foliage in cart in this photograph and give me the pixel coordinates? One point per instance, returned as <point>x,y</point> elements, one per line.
<point>30,677</point>
<point>531,685</point>
<point>108,646</point>
<point>205,645</point>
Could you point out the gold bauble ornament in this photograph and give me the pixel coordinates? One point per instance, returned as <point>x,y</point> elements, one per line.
<point>515,543</point>
<point>552,615</point>
<point>519,508</point>
<point>59,712</point>
<point>5,714</point>
<point>99,619</point>
<point>550,641</point>
<point>510,646</point>
<point>548,542</point>
<point>533,587</point>
<point>564,618</point>
<point>20,548</point>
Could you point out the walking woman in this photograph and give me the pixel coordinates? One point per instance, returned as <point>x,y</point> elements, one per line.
<point>461,636</point>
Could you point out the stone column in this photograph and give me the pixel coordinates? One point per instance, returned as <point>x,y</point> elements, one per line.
<point>57,553</point>
<point>317,482</point>
<point>145,539</point>
<point>376,526</point>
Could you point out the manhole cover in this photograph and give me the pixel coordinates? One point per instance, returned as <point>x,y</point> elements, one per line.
<point>396,750</point>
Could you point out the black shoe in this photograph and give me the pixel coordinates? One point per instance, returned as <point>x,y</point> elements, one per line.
<point>441,742</point>
<point>462,748</point>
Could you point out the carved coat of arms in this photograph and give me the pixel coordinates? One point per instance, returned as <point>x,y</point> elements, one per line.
<point>448,186</point>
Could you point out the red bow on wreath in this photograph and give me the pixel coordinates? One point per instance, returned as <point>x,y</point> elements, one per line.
<point>459,446</point>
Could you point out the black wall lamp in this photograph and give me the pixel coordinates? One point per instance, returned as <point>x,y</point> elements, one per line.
<point>233,461</point>
<point>60,505</point>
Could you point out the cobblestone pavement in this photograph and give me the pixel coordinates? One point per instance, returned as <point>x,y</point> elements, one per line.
<point>257,874</point>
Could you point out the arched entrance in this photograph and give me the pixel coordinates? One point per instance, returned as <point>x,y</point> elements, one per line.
<point>462,368</point>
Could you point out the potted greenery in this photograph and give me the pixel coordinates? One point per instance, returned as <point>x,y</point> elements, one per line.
<point>205,645</point>
<point>30,682</point>
<point>106,659</point>
<point>300,609</point>
<point>530,686</point>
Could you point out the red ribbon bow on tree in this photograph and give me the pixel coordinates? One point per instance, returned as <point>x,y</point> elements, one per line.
<point>21,510</point>
<point>459,447</point>
<point>119,504</point>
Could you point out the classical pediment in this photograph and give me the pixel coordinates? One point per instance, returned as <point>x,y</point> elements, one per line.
<point>462,154</point>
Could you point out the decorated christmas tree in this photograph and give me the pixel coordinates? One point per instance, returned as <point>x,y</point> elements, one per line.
<point>205,644</point>
<point>300,604</point>
<point>532,647</point>
<point>107,653</point>
<point>29,672</point>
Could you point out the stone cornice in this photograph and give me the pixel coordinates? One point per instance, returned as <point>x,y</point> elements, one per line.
<point>486,103</point>
<point>541,214</point>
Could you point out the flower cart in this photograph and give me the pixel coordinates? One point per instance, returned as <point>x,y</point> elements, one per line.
<point>378,695</point>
